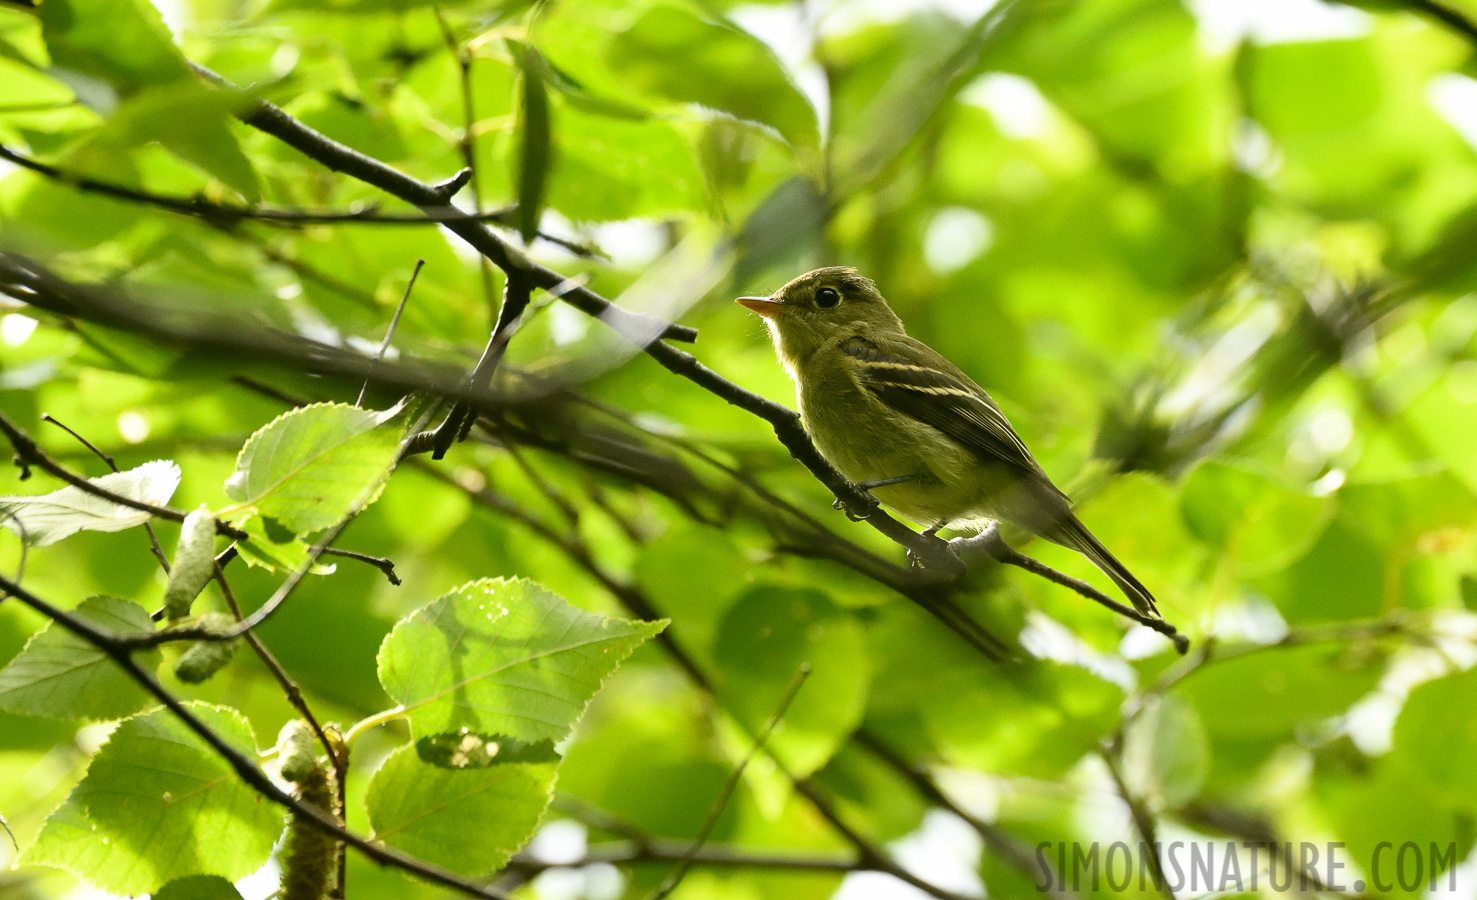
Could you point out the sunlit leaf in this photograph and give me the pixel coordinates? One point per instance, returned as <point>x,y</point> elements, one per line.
<point>536,139</point>
<point>123,41</point>
<point>158,804</point>
<point>671,52</point>
<point>767,635</point>
<point>503,657</point>
<point>468,820</point>
<point>310,467</point>
<point>62,676</point>
<point>47,518</point>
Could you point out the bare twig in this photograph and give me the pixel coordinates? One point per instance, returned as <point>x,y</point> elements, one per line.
<point>390,331</point>
<point>1012,851</point>
<point>30,453</point>
<point>148,526</point>
<point>679,871</point>
<point>227,215</point>
<point>468,146</point>
<point>210,331</point>
<point>1143,819</point>
<point>386,566</point>
<point>517,289</point>
<point>990,542</point>
<point>640,329</point>
<point>655,851</point>
<point>290,688</point>
<point>1443,13</point>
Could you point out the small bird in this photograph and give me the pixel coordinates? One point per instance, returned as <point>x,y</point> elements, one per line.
<point>898,419</point>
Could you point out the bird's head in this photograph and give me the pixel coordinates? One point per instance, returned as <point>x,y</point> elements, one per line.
<point>820,307</point>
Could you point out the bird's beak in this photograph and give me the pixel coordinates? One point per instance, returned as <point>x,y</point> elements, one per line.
<point>764,306</point>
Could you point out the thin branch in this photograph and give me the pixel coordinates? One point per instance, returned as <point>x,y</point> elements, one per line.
<point>38,106</point>
<point>468,144</point>
<point>385,565</point>
<point>989,541</point>
<point>29,452</point>
<point>638,328</point>
<point>1212,650</point>
<point>120,652</point>
<point>227,215</point>
<point>106,458</point>
<point>1012,851</point>
<point>659,851</point>
<point>210,331</point>
<point>1254,830</point>
<point>674,878</point>
<point>1143,820</point>
<point>390,331</point>
<point>1441,12</point>
<point>290,688</point>
<point>517,289</point>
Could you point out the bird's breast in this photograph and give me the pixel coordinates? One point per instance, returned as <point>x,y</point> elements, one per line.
<point>867,440</point>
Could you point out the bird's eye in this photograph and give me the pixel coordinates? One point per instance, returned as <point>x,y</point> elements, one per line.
<point>826,298</point>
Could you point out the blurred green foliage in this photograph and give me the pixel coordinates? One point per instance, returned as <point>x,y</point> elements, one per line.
<point>1220,284</point>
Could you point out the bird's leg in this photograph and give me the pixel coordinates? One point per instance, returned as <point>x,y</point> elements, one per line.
<point>865,486</point>
<point>930,531</point>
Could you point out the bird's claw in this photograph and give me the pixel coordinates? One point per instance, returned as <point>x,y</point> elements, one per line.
<point>853,515</point>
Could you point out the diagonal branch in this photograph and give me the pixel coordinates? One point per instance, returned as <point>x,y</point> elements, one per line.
<point>940,563</point>
<point>640,329</point>
<point>1437,10</point>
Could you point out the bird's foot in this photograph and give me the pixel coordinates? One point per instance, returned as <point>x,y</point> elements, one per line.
<point>865,487</point>
<point>931,531</point>
<point>852,514</point>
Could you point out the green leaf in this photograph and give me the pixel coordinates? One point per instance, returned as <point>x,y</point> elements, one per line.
<point>274,548</point>
<point>1254,703</point>
<point>605,174</point>
<point>124,42</point>
<point>1401,511</point>
<point>535,139</point>
<point>1436,736</point>
<point>469,820</point>
<point>1270,692</point>
<point>158,804</point>
<point>764,639</point>
<point>62,676</point>
<point>47,518</point>
<point>1341,577</point>
<point>189,118</point>
<point>1259,523</point>
<point>199,887</point>
<point>1165,753</point>
<point>786,223</point>
<point>311,467</point>
<point>1378,808</point>
<point>670,52</point>
<point>503,657</point>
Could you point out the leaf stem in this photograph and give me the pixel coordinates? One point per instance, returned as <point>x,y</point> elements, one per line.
<point>367,723</point>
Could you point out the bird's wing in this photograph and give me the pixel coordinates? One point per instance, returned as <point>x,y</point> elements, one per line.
<point>922,386</point>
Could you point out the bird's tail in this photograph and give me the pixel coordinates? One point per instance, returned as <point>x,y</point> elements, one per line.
<point>1073,534</point>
